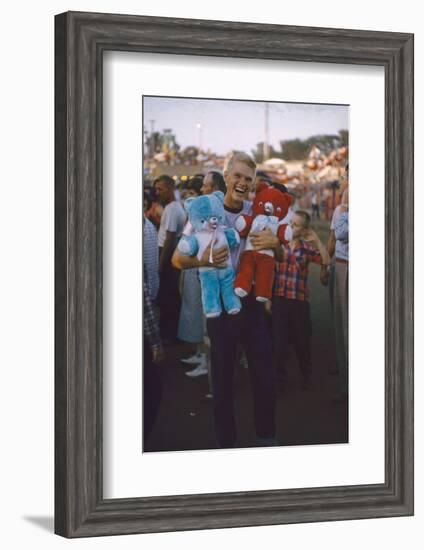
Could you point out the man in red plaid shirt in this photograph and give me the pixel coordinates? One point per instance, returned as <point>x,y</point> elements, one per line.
<point>291,321</point>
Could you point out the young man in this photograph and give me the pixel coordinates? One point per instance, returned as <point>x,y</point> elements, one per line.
<point>290,307</point>
<point>171,226</point>
<point>248,327</point>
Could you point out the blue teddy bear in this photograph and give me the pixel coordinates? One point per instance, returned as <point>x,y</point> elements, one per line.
<point>207,216</point>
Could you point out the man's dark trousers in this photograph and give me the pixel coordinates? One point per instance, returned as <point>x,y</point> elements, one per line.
<point>226,332</point>
<point>169,302</point>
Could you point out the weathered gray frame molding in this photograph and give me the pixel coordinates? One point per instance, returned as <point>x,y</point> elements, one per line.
<point>81,39</point>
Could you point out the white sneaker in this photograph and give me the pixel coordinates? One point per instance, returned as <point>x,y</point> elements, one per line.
<point>201,370</point>
<point>194,359</point>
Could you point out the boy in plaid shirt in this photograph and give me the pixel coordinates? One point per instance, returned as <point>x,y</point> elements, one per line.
<point>291,322</point>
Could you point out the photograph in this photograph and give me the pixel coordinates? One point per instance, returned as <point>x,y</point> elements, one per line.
<point>245,273</point>
<point>202,200</point>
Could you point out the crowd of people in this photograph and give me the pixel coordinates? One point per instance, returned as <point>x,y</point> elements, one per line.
<point>261,334</point>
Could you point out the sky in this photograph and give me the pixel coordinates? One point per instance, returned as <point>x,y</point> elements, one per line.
<point>226,125</point>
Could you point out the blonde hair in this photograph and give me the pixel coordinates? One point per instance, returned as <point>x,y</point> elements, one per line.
<point>235,156</point>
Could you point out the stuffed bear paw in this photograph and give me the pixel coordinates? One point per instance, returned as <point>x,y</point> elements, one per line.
<point>241,293</point>
<point>212,314</point>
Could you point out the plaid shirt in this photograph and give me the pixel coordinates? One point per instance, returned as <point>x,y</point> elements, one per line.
<point>150,323</point>
<point>292,273</point>
<point>151,258</point>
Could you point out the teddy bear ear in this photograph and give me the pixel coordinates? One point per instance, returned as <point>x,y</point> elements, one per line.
<point>219,195</point>
<point>188,204</point>
<point>263,185</point>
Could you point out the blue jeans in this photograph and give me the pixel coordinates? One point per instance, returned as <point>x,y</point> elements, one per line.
<point>226,332</point>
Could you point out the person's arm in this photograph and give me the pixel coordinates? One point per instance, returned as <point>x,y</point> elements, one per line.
<point>167,249</point>
<point>325,257</point>
<point>331,243</point>
<point>219,258</point>
<point>312,238</point>
<point>324,275</point>
<point>262,240</point>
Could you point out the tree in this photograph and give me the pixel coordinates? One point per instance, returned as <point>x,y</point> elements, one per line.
<point>258,152</point>
<point>298,149</point>
<point>294,149</point>
<point>344,138</point>
<point>189,153</point>
<point>158,142</point>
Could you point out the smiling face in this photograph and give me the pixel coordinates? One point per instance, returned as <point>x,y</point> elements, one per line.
<point>239,180</point>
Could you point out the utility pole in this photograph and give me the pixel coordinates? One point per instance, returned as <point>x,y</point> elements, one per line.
<point>145,143</point>
<point>199,127</point>
<point>152,140</point>
<point>266,148</point>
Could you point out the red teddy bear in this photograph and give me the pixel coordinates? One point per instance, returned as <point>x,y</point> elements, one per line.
<point>270,208</point>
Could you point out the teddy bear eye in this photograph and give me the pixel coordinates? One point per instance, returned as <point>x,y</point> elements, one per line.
<point>278,209</point>
<point>202,221</point>
<point>261,203</point>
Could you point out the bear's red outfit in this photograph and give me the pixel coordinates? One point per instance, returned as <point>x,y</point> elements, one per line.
<point>270,207</point>
<point>258,267</point>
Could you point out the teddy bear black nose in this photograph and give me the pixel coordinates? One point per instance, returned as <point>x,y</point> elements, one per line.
<point>269,208</point>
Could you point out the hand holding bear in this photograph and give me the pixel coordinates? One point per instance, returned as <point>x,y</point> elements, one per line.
<point>219,257</point>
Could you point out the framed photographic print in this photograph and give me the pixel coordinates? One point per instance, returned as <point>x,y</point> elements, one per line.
<point>242,196</point>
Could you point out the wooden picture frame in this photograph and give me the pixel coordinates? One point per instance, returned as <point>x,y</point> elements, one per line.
<point>80,40</point>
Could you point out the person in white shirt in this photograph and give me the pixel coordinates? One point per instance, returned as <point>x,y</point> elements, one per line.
<point>341,293</point>
<point>338,248</point>
<point>171,227</point>
<point>191,323</point>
